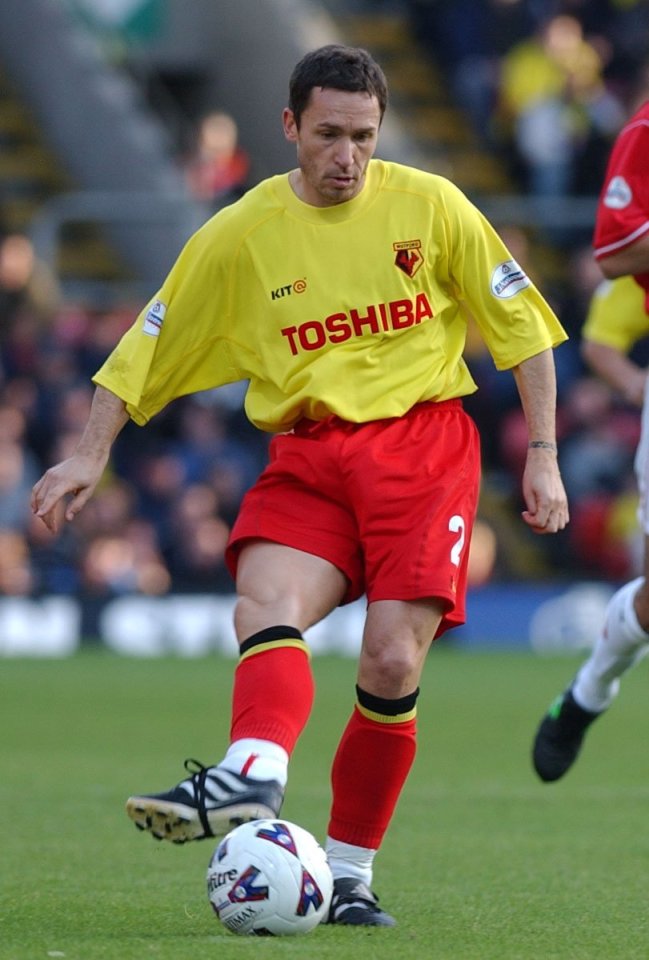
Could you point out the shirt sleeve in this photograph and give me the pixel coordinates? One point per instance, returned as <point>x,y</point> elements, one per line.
<point>623,206</point>
<point>514,319</point>
<point>616,315</point>
<point>181,342</point>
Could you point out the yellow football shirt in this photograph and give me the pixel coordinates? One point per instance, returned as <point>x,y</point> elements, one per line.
<point>358,309</point>
<point>616,314</point>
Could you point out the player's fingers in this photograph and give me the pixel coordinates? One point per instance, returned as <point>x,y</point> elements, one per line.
<point>78,502</point>
<point>535,520</point>
<point>48,500</point>
<point>51,517</point>
<point>36,499</point>
<point>44,502</point>
<point>550,521</point>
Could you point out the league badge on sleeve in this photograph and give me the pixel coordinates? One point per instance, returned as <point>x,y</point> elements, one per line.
<point>618,194</point>
<point>508,279</point>
<point>154,318</point>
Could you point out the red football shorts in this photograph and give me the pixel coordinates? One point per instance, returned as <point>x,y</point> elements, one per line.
<point>391,503</point>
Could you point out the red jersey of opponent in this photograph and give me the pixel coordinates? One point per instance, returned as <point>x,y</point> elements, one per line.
<point>623,208</point>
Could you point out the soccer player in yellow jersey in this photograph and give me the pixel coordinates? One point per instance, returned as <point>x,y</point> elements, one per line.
<point>340,291</point>
<point>617,320</point>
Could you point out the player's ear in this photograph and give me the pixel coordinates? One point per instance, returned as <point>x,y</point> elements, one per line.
<point>290,125</point>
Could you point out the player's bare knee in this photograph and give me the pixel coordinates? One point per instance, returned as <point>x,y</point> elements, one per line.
<point>390,671</point>
<point>252,614</point>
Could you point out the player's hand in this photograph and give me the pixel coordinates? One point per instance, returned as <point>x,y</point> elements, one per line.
<point>74,478</point>
<point>544,494</point>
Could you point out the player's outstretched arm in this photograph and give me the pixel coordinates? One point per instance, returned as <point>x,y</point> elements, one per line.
<point>78,476</point>
<point>616,369</point>
<point>543,491</point>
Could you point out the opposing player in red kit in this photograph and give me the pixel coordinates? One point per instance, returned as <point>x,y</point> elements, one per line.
<point>621,245</point>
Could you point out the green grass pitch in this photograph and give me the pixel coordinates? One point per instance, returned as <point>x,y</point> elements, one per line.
<point>482,861</point>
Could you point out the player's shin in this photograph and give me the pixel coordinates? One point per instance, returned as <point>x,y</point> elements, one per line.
<point>271,703</point>
<point>371,765</point>
<point>620,645</point>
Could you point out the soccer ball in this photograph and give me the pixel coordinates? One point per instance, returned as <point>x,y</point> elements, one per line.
<point>269,878</point>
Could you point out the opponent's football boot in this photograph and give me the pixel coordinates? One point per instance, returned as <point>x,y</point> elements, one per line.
<point>209,803</point>
<point>560,736</point>
<point>354,903</point>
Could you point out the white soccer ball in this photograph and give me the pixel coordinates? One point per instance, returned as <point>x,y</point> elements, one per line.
<point>269,878</point>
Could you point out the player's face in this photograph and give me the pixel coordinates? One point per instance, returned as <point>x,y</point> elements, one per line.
<point>335,142</point>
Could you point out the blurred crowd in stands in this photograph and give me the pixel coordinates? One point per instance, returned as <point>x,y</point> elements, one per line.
<point>161,516</point>
<point>546,83</point>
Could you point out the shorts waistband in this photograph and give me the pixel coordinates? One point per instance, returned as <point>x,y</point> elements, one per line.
<point>305,427</point>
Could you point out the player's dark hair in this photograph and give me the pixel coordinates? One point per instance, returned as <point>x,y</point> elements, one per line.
<point>336,67</point>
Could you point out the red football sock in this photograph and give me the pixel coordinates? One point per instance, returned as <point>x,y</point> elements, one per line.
<point>273,688</point>
<point>371,765</point>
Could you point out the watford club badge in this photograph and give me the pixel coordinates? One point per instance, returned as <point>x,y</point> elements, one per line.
<point>408,257</point>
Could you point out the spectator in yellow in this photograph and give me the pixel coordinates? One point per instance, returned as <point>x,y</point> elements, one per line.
<point>552,92</point>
